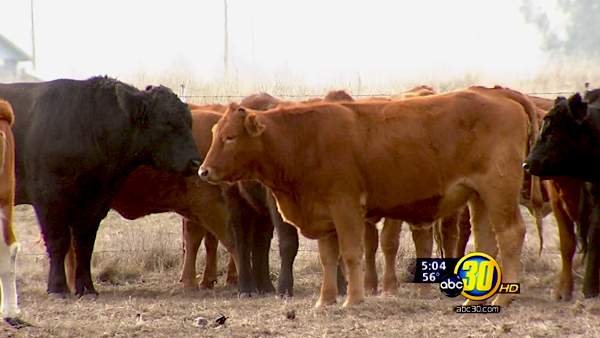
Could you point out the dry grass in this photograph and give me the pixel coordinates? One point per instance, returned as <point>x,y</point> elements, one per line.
<point>140,280</point>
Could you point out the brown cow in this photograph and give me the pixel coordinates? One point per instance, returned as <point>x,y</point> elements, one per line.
<point>327,180</point>
<point>421,90</point>
<point>564,195</point>
<point>9,247</point>
<point>422,234</point>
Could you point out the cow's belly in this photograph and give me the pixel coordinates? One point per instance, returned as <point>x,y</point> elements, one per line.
<point>422,210</point>
<point>419,211</point>
<point>312,219</point>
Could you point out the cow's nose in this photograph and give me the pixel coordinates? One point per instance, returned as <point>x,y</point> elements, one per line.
<point>203,172</point>
<point>526,166</point>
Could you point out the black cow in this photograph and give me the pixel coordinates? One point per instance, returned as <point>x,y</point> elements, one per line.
<point>76,141</point>
<point>569,145</point>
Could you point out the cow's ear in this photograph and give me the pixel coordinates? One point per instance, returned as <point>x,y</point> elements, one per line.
<point>577,107</point>
<point>132,103</point>
<point>558,99</point>
<point>253,125</point>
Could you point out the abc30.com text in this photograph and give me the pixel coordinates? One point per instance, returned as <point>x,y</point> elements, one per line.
<point>477,309</point>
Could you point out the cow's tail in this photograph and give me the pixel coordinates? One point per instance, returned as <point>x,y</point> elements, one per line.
<point>537,199</point>
<point>3,150</point>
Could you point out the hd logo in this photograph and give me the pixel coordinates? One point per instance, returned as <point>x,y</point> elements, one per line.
<point>477,276</point>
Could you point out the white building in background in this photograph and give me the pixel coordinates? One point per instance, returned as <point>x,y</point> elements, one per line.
<point>11,59</point>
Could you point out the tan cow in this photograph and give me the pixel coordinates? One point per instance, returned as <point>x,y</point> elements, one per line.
<point>9,247</point>
<point>464,146</point>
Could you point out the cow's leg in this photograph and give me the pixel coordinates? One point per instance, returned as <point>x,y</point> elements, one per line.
<point>590,281</point>
<point>464,232</point>
<point>232,275</point>
<point>193,233</point>
<point>84,236</point>
<point>241,219</point>
<point>288,249</point>
<point>215,218</point>
<point>482,231</point>
<point>263,234</point>
<point>390,241</point>
<point>349,221</point>
<point>342,284</point>
<point>509,227</point>
<point>449,230</point>
<point>70,266</point>
<point>422,235</point>
<point>8,262</point>
<point>328,254</point>
<point>57,237</point>
<point>209,277</point>
<point>371,243</point>
<point>566,232</point>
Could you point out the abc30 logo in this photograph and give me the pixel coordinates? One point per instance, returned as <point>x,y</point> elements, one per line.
<point>477,276</point>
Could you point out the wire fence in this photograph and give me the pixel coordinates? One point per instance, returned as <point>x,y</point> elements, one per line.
<point>199,97</point>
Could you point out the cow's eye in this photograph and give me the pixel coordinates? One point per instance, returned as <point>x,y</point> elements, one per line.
<point>229,139</point>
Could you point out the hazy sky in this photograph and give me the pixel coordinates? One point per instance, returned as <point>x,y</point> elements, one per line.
<point>315,40</point>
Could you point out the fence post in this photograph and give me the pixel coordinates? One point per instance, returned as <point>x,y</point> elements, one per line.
<point>182,92</point>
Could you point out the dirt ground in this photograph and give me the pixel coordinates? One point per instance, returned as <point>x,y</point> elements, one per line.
<point>136,267</point>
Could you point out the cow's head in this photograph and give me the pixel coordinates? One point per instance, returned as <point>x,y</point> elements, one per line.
<point>563,141</point>
<point>162,125</point>
<point>236,147</point>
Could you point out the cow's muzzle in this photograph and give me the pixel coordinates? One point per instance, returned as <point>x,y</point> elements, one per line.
<point>207,175</point>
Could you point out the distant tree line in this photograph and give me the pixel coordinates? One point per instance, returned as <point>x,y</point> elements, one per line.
<point>582,30</point>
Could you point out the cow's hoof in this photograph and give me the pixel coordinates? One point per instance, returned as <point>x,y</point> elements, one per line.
<point>283,296</point>
<point>208,284</point>
<point>352,302</point>
<point>245,294</point>
<point>266,289</point>
<point>59,295</point>
<point>563,294</point>
<point>87,295</point>
<point>321,303</point>
<point>372,291</point>
<point>16,322</point>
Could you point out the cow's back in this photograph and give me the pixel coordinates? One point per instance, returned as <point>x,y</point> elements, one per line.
<point>438,141</point>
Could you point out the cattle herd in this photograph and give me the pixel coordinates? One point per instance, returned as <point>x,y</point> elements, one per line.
<point>446,163</point>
